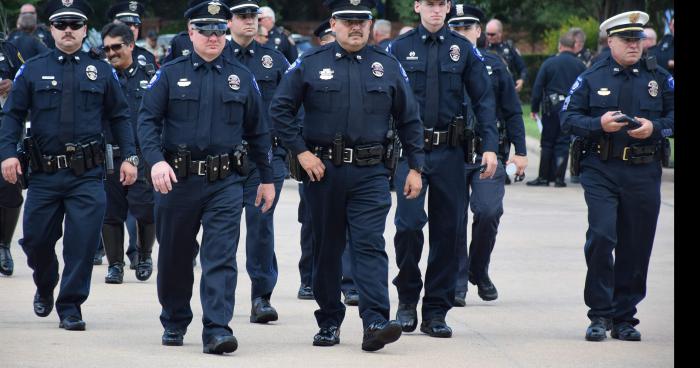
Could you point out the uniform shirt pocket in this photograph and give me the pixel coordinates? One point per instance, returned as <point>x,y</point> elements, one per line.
<point>183,104</point>
<point>416,71</point>
<point>92,93</point>
<point>47,94</point>
<point>453,73</point>
<point>651,108</point>
<point>378,98</point>
<point>234,105</point>
<point>325,96</point>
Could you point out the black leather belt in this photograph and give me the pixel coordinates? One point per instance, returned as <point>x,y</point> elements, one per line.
<point>364,155</point>
<point>434,137</point>
<point>634,154</point>
<point>51,164</point>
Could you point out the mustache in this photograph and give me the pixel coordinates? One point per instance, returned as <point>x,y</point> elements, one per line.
<point>356,34</point>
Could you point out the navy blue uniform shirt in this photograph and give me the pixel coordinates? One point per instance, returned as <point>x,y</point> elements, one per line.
<point>511,55</point>
<point>321,81</point>
<point>278,40</point>
<point>461,67</point>
<point>170,113</point>
<point>11,59</point>
<point>556,75</point>
<point>41,32</point>
<point>38,89</point>
<point>28,45</point>
<point>666,51</point>
<point>598,90</point>
<point>134,81</point>
<point>140,51</point>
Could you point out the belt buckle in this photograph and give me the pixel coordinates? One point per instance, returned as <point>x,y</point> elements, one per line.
<point>624,154</point>
<point>201,168</point>
<point>347,155</point>
<point>61,162</point>
<point>436,138</point>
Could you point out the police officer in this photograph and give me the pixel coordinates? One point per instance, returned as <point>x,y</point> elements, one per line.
<point>118,46</point>
<point>508,51</point>
<point>555,76</point>
<point>350,91</point>
<point>278,37</point>
<point>268,66</point>
<point>582,52</point>
<point>129,13</point>
<point>199,108</point>
<point>39,31</point>
<point>666,49</point>
<point>69,93</point>
<point>620,172</point>
<point>443,68</point>
<point>486,197</point>
<point>10,194</point>
<point>26,42</point>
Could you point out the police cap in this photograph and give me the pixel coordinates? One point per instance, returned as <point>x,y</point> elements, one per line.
<point>626,25</point>
<point>208,11</point>
<point>462,15</point>
<point>126,11</point>
<point>351,9</point>
<point>323,29</point>
<point>68,10</point>
<point>244,6</point>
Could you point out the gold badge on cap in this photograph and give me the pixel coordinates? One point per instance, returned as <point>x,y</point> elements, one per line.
<point>634,17</point>
<point>91,72</point>
<point>355,2</point>
<point>267,61</point>
<point>133,5</point>
<point>653,88</point>
<point>326,74</point>
<point>234,82</point>
<point>67,3</point>
<point>455,53</point>
<point>377,69</point>
<point>214,8</point>
<point>603,91</point>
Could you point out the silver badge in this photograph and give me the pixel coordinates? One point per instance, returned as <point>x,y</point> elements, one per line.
<point>141,60</point>
<point>267,61</point>
<point>377,69</point>
<point>143,84</point>
<point>455,53</point>
<point>460,10</point>
<point>506,51</point>
<point>91,72</point>
<point>2,57</point>
<point>653,88</point>
<point>185,52</point>
<point>326,74</point>
<point>234,82</point>
<point>184,82</point>
<point>67,3</point>
<point>355,2</point>
<point>133,5</point>
<point>278,41</point>
<point>412,56</point>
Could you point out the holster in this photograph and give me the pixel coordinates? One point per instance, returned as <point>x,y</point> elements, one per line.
<point>295,170</point>
<point>391,154</point>
<point>31,149</point>
<point>77,159</point>
<point>666,152</point>
<point>503,142</point>
<point>576,152</point>
<point>182,161</point>
<point>337,150</point>
<point>109,158</point>
<point>428,139</point>
<point>469,146</point>
<point>606,146</point>
<point>23,180</point>
<point>455,132</point>
<point>240,160</point>
<point>87,155</point>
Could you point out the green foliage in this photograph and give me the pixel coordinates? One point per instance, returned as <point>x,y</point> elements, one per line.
<point>533,63</point>
<point>589,26</point>
<point>404,8</point>
<point>9,10</point>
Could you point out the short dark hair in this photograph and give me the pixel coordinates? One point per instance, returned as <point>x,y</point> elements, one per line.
<point>118,30</point>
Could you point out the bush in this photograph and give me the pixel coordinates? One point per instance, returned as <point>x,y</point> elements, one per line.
<point>589,26</point>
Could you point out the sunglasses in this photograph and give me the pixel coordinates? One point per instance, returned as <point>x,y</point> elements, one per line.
<point>116,47</point>
<point>208,32</point>
<point>61,26</point>
<point>491,34</point>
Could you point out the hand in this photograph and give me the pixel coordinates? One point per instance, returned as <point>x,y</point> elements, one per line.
<point>535,116</point>
<point>10,169</point>
<point>127,173</point>
<point>670,64</point>
<point>414,184</point>
<point>312,165</point>
<point>5,87</point>
<point>491,161</point>
<point>608,123</point>
<point>266,192</point>
<point>162,176</point>
<point>519,85</point>
<point>520,164</point>
<point>643,131</point>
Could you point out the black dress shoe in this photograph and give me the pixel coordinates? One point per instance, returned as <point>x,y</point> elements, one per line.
<point>436,328</point>
<point>72,323</point>
<point>559,183</point>
<point>507,180</point>
<point>42,305</point>
<point>460,299</point>
<point>487,290</point>
<point>305,292</point>
<point>352,298</point>
<point>7,265</point>
<point>327,336</point>
<point>407,316</point>
<point>144,268</point>
<point>221,344</point>
<point>97,260</point>
<point>626,332</point>
<point>379,334</point>
<point>172,337</point>
<point>596,330</point>
<point>539,182</point>
<point>133,260</point>
<point>115,274</point>
<point>262,311</point>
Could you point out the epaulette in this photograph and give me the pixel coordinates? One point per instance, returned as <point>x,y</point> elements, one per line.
<point>407,34</point>
<point>177,60</point>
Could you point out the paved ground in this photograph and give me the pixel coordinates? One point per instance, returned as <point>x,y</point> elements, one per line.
<point>538,321</point>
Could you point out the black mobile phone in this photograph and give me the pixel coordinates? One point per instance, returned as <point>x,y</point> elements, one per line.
<point>631,123</point>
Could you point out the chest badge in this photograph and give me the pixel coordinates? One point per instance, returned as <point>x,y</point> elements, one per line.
<point>412,56</point>
<point>455,53</point>
<point>234,82</point>
<point>326,74</point>
<point>267,61</point>
<point>184,82</point>
<point>603,92</point>
<point>143,84</point>
<point>91,72</point>
<point>506,51</point>
<point>653,88</point>
<point>2,57</point>
<point>377,69</point>
<point>489,69</point>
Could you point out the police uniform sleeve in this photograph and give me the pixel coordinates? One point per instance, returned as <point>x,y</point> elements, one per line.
<point>520,65</point>
<point>256,131</point>
<point>408,124</point>
<point>512,111</point>
<point>285,106</point>
<point>116,113</point>
<point>14,112</point>
<point>538,88</point>
<point>15,55</point>
<point>665,125</point>
<point>478,84</point>
<point>150,119</point>
<point>291,52</point>
<point>574,113</point>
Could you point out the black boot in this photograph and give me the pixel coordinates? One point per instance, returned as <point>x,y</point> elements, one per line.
<point>560,172</point>
<point>543,175</point>
<point>145,237</point>
<point>8,222</point>
<point>113,239</point>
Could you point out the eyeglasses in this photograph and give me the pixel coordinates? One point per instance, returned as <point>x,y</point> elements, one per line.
<point>61,26</point>
<point>207,32</point>
<point>30,13</point>
<point>132,24</point>
<point>491,34</point>
<point>116,47</point>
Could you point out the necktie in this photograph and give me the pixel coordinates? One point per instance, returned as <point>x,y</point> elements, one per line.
<point>432,93</point>
<point>206,96</point>
<point>626,93</point>
<point>67,102</point>
<point>355,95</point>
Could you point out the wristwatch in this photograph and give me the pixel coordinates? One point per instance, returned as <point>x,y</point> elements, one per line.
<point>419,169</point>
<point>134,160</point>
<point>521,154</point>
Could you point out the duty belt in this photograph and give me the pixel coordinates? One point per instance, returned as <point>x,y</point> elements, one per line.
<point>633,154</point>
<point>434,138</point>
<point>217,167</point>
<point>364,155</point>
<point>51,164</point>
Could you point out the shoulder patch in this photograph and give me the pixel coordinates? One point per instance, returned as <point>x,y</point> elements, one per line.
<point>477,53</point>
<point>153,80</point>
<point>671,83</point>
<point>577,83</point>
<point>19,73</point>
<point>294,65</point>
<point>255,83</point>
<point>403,72</point>
<point>114,74</point>
<point>566,103</point>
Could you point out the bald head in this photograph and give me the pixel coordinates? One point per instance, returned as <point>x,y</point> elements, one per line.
<point>27,8</point>
<point>267,17</point>
<point>382,30</point>
<point>650,39</point>
<point>494,31</point>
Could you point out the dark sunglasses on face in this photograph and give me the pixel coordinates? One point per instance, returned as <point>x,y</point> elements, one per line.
<point>116,47</point>
<point>61,26</point>
<point>207,33</point>
<point>491,34</point>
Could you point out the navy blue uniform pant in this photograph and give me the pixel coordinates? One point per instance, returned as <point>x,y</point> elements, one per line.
<point>443,173</point>
<point>352,202</point>
<point>485,197</point>
<point>623,208</point>
<point>554,143</point>
<point>136,198</point>
<point>216,207</point>
<point>80,200</point>
<point>10,195</point>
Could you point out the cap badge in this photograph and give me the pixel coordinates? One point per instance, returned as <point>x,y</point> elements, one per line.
<point>133,6</point>
<point>412,56</point>
<point>67,3</point>
<point>184,82</point>
<point>603,91</point>
<point>91,72</point>
<point>326,74</point>
<point>455,53</point>
<point>460,10</point>
<point>267,61</point>
<point>653,88</point>
<point>214,8</point>
<point>234,82</point>
<point>634,17</point>
<point>355,2</point>
<point>377,69</point>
